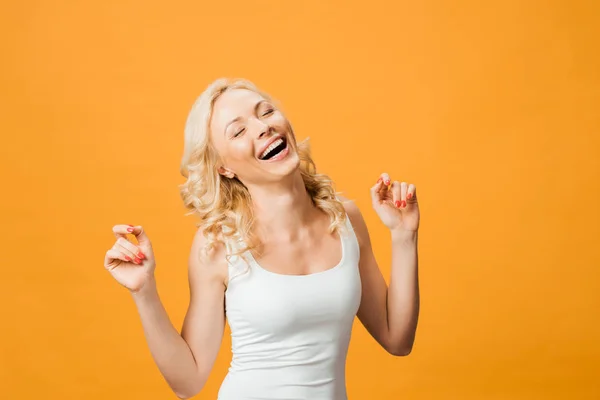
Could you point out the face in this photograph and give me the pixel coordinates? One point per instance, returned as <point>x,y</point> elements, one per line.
<point>253,138</point>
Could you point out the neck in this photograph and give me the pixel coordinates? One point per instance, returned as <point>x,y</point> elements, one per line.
<point>282,209</point>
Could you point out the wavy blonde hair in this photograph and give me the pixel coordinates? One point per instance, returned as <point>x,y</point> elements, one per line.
<point>224,204</point>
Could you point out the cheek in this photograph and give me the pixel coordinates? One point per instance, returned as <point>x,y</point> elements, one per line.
<point>240,149</point>
<point>279,122</point>
<point>280,125</point>
<point>231,151</point>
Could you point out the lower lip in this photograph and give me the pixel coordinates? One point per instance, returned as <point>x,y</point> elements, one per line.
<point>282,154</point>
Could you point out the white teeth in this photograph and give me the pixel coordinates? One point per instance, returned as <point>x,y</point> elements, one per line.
<point>270,148</point>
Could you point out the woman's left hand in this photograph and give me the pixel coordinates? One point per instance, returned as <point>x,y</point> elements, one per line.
<point>396,204</point>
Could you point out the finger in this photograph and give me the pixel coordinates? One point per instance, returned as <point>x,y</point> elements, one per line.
<point>396,194</point>
<point>385,178</point>
<point>127,254</point>
<point>121,231</point>
<point>411,195</point>
<point>376,187</point>
<point>130,250</point>
<point>140,235</point>
<point>403,193</point>
<point>379,191</point>
<point>113,259</point>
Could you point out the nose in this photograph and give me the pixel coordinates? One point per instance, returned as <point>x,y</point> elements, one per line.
<point>261,128</point>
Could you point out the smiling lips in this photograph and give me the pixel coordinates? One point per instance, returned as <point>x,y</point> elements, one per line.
<point>275,147</point>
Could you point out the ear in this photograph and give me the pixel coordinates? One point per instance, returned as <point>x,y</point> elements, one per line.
<point>226,172</point>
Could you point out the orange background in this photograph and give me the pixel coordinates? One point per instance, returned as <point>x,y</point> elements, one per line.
<point>490,109</point>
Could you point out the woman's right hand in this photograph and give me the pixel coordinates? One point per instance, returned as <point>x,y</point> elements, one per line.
<point>130,264</point>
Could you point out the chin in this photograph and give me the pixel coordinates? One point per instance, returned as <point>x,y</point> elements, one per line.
<point>287,167</point>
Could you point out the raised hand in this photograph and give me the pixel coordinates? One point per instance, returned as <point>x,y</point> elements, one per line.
<point>130,264</point>
<point>396,204</point>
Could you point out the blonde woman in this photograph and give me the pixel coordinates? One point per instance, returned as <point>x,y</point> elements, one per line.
<point>281,258</point>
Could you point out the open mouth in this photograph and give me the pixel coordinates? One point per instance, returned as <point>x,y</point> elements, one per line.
<point>274,150</point>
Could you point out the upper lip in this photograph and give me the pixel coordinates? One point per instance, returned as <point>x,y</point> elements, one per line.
<point>267,144</point>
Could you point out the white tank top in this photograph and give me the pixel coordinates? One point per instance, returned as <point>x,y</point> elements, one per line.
<point>290,333</point>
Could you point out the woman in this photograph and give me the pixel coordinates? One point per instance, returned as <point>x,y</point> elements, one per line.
<point>279,256</point>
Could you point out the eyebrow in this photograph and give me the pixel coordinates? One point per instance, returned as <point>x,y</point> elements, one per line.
<point>238,118</point>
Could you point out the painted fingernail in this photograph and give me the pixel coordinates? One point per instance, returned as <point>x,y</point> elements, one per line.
<point>403,203</point>
<point>397,203</point>
<point>387,182</point>
<point>128,258</point>
<point>138,261</point>
<point>409,196</point>
<point>141,256</point>
<point>129,229</point>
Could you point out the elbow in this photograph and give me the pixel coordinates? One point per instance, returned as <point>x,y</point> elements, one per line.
<point>400,350</point>
<point>186,395</point>
<point>192,390</point>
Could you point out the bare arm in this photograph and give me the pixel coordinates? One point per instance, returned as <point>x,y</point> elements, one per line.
<point>389,314</point>
<point>185,360</point>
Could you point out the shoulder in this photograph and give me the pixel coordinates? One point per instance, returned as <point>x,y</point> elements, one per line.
<point>207,265</point>
<point>356,220</point>
<point>350,207</point>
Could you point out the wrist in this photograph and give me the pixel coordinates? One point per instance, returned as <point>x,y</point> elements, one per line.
<point>403,236</point>
<point>148,288</point>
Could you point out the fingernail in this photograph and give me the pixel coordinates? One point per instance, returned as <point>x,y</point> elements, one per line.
<point>403,203</point>
<point>141,256</point>
<point>409,196</point>
<point>129,229</point>
<point>387,182</point>
<point>397,203</point>
<point>138,261</point>
<point>128,258</point>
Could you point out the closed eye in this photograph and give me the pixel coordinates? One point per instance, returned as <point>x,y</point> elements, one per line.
<point>238,133</point>
<point>269,111</point>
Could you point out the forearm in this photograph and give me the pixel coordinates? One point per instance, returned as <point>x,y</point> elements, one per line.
<point>170,351</point>
<point>403,292</point>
